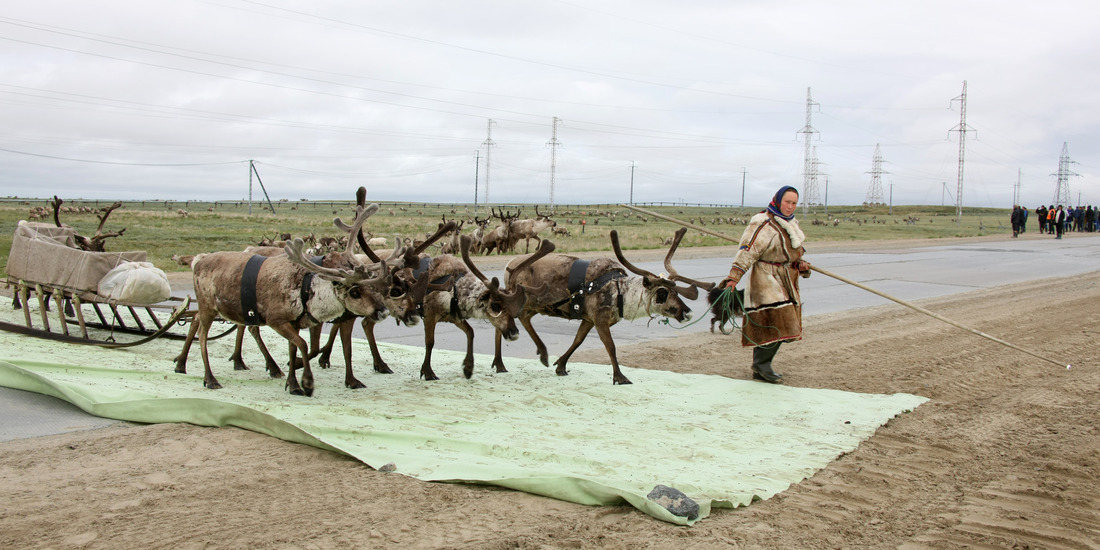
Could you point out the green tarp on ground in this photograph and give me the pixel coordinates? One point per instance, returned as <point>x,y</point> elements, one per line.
<point>577,438</point>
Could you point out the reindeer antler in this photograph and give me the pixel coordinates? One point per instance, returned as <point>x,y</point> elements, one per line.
<point>295,251</point>
<point>439,233</point>
<point>672,272</point>
<point>545,248</point>
<point>464,245</point>
<point>691,292</point>
<point>354,235</point>
<point>622,259</point>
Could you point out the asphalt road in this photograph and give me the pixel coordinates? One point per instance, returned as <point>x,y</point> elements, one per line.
<point>906,273</point>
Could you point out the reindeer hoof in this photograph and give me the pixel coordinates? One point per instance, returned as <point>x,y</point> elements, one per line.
<point>383,369</point>
<point>212,385</point>
<point>561,372</point>
<point>354,384</point>
<point>429,375</point>
<point>468,372</point>
<point>623,381</point>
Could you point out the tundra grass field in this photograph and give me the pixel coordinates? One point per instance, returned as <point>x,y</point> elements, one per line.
<point>167,228</point>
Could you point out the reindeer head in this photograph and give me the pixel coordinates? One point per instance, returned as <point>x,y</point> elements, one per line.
<point>544,220</point>
<point>665,293</point>
<point>359,286</point>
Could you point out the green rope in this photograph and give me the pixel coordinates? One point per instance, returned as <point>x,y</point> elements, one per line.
<point>726,302</point>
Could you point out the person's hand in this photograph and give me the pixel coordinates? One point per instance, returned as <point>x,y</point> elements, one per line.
<point>728,282</point>
<point>803,269</point>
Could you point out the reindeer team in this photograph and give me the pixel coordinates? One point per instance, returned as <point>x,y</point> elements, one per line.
<point>286,289</point>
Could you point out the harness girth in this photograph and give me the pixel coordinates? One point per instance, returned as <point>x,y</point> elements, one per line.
<point>306,291</point>
<point>454,312</point>
<point>579,288</point>
<point>248,290</point>
<point>250,279</point>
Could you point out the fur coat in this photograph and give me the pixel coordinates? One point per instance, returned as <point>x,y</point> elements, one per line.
<point>769,251</point>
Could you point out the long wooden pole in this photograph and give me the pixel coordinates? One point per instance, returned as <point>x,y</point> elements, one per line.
<point>857,285</point>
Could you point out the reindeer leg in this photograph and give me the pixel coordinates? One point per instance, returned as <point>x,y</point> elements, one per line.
<point>181,359</point>
<point>468,361</point>
<point>208,380</point>
<point>236,358</point>
<point>540,346</point>
<point>315,339</point>
<point>609,344</point>
<point>345,341</point>
<point>376,356</point>
<point>582,333</point>
<point>498,356</point>
<point>326,352</point>
<point>426,371</point>
<point>270,364</point>
<point>297,344</point>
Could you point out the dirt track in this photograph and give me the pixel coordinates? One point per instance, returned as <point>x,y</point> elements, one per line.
<point>1005,455</point>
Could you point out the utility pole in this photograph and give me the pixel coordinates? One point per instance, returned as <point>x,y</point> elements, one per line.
<point>962,129</point>
<point>1061,191</point>
<point>631,182</point>
<point>874,191</point>
<point>743,173</point>
<point>477,164</point>
<point>1016,190</point>
<point>553,159</point>
<point>809,164</point>
<point>891,199</point>
<point>826,197</point>
<point>488,143</point>
<point>252,170</point>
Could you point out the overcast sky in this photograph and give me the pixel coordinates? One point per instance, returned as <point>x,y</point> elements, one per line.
<point>670,101</point>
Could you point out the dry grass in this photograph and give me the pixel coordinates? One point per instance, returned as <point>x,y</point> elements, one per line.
<point>163,230</point>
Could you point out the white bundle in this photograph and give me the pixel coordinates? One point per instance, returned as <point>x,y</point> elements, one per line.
<point>135,283</point>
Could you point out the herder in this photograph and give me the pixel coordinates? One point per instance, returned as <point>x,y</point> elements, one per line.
<point>771,247</point>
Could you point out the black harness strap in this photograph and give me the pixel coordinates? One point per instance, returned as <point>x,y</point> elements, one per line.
<point>307,290</point>
<point>455,312</point>
<point>248,290</point>
<point>579,288</point>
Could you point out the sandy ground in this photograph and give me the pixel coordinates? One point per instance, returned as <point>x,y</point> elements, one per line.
<point>1005,455</point>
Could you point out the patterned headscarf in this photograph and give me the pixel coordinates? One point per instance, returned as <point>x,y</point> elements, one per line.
<point>778,199</point>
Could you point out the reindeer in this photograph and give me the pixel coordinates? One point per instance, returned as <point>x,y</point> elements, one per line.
<point>478,234</point>
<point>500,238</point>
<point>287,297</point>
<point>451,246</point>
<point>457,298</point>
<point>404,299</point>
<point>598,293</point>
<point>529,229</point>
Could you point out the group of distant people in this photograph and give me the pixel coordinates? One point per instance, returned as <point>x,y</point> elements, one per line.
<point>1057,220</point>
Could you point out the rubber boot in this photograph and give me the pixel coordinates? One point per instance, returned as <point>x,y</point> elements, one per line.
<point>762,363</point>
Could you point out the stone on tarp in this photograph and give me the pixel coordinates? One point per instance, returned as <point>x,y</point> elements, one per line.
<point>674,501</point>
